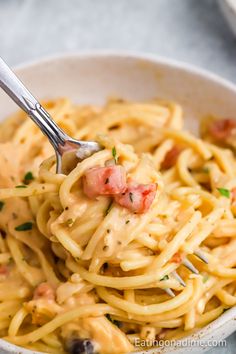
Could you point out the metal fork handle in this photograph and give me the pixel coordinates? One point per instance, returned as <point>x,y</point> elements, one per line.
<point>14,88</point>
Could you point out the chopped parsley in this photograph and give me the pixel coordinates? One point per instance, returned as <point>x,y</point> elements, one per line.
<point>131,197</point>
<point>1,205</point>
<point>114,154</point>
<point>115,322</point>
<point>205,278</point>
<point>69,222</point>
<point>205,170</point>
<point>166,277</point>
<point>108,208</point>
<point>225,192</point>
<point>21,186</point>
<point>24,227</point>
<point>28,177</point>
<point>127,222</point>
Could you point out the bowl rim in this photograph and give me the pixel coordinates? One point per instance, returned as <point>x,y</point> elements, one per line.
<point>126,54</point>
<point>183,66</point>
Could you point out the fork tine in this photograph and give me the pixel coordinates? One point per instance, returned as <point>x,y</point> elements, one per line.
<point>178,278</point>
<point>169,292</point>
<point>201,256</point>
<point>190,266</point>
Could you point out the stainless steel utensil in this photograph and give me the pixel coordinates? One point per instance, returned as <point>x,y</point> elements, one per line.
<point>60,141</point>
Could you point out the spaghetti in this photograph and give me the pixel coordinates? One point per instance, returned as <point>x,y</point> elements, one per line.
<point>85,272</point>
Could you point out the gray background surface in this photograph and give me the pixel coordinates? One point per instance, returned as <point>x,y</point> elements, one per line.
<point>193,31</point>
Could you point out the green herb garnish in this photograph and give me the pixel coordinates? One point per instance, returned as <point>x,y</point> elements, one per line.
<point>28,177</point>
<point>1,205</point>
<point>24,227</point>
<point>69,222</point>
<point>108,208</point>
<point>127,222</point>
<point>205,170</point>
<point>205,278</point>
<point>21,186</point>
<point>225,192</point>
<point>166,277</point>
<point>115,322</point>
<point>114,154</point>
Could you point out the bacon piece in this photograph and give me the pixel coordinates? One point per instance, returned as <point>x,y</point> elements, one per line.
<point>45,291</point>
<point>233,195</point>
<point>222,129</point>
<point>137,197</point>
<point>177,258</point>
<point>171,157</point>
<point>108,180</point>
<point>233,199</point>
<point>4,270</point>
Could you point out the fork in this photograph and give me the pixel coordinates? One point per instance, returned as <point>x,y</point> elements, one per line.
<point>60,141</point>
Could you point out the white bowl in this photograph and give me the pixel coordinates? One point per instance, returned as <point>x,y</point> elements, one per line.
<point>228,8</point>
<point>91,78</point>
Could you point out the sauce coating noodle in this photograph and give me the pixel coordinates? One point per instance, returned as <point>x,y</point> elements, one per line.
<point>82,271</point>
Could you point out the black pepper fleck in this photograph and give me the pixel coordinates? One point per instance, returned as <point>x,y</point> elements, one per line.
<point>14,216</point>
